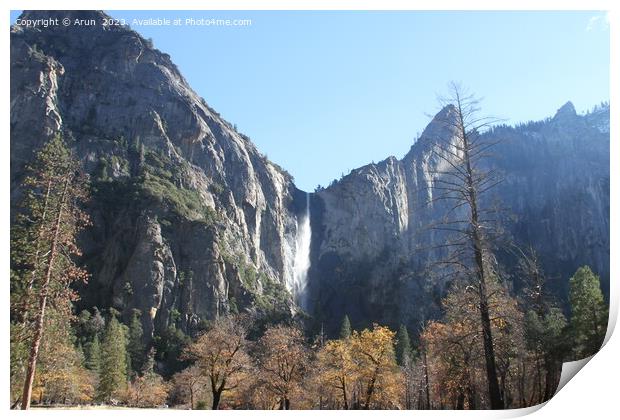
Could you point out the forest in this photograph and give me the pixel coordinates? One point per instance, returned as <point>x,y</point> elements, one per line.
<point>492,348</point>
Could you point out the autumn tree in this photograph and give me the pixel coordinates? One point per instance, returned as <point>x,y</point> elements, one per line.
<point>61,376</point>
<point>189,383</point>
<point>220,353</point>
<point>283,360</point>
<point>336,370</point>
<point>377,372</point>
<point>461,180</point>
<point>43,245</point>
<point>148,389</point>
<point>456,350</point>
<point>589,312</point>
<point>113,363</point>
<point>452,350</point>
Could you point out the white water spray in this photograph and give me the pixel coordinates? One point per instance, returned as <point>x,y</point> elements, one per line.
<point>301,263</point>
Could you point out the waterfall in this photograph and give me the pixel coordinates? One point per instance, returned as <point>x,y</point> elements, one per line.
<point>301,263</point>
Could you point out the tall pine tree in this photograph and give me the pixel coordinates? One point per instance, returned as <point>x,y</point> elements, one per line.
<point>403,346</point>
<point>43,244</point>
<point>135,347</point>
<point>113,370</point>
<point>93,355</point>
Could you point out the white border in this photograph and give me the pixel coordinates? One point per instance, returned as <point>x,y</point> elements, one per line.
<point>592,395</point>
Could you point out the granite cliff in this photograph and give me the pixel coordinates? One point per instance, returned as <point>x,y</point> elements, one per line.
<point>191,221</point>
<point>374,236</point>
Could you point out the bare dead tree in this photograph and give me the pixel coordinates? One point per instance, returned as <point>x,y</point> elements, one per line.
<point>534,290</point>
<point>461,179</point>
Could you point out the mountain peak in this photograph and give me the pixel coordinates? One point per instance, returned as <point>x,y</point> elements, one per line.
<point>566,110</point>
<point>443,120</point>
<point>439,130</point>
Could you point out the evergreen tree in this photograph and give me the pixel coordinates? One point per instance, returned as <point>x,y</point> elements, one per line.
<point>168,349</point>
<point>544,328</point>
<point>546,338</point>
<point>93,355</point>
<point>345,328</point>
<point>87,325</point>
<point>82,330</point>
<point>149,363</point>
<point>135,347</point>
<point>403,346</point>
<point>113,371</point>
<point>97,322</point>
<point>589,312</point>
<point>43,244</point>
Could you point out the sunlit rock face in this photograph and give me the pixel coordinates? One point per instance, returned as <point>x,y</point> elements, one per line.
<point>215,211</point>
<point>374,243</point>
<point>191,221</point>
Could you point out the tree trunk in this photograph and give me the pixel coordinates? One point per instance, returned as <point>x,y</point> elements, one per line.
<point>426,382</point>
<point>370,390</point>
<point>285,403</point>
<point>217,395</point>
<point>344,394</point>
<point>471,396</point>
<point>539,379</point>
<point>460,401</point>
<point>38,333</point>
<point>476,235</point>
<point>550,376</point>
<point>35,268</point>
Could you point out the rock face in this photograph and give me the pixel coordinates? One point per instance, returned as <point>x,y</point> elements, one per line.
<point>375,240</point>
<point>186,211</point>
<point>190,221</point>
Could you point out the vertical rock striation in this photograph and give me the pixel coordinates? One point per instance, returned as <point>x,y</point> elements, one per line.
<point>191,221</point>
<point>186,211</point>
<point>376,240</point>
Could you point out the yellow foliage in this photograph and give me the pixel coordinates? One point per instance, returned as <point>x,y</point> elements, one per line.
<point>283,361</point>
<point>336,371</point>
<point>220,355</point>
<point>60,377</point>
<point>147,391</point>
<point>454,347</point>
<point>377,372</point>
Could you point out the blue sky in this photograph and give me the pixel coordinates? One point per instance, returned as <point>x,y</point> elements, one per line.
<point>322,93</point>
